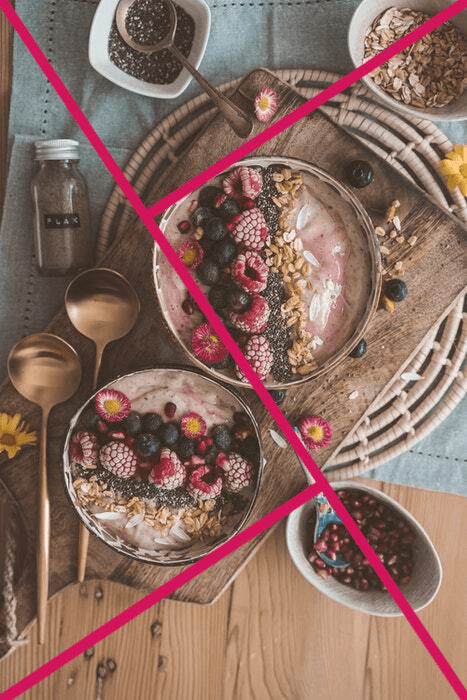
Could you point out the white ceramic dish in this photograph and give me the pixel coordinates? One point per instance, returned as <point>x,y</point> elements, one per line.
<point>149,390</point>
<point>100,60</point>
<point>331,196</point>
<point>362,19</point>
<point>419,591</point>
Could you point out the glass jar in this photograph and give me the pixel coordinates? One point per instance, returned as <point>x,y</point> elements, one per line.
<point>62,234</point>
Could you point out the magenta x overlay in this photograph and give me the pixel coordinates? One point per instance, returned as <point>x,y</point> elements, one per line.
<point>321,484</point>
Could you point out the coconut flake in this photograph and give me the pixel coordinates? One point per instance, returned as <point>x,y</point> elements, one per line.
<point>353,395</point>
<point>303,216</point>
<point>278,439</point>
<point>135,520</point>
<point>108,515</point>
<point>179,532</point>
<point>410,376</point>
<point>309,257</point>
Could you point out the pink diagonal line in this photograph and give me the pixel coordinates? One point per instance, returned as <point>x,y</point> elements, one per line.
<point>215,321</point>
<point>156,596</point>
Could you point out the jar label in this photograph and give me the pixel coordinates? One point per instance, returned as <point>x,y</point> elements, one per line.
<point>61,220</point>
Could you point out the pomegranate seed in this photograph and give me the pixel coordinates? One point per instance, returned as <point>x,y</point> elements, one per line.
<point>184,226</point>
<point>319,563</point>
<point>320,546</point>
<point>170,409</point>
<point>101,426</point>
<point>363,584</point>
<point>331,555</point>
<point>188,307</point>
<point>116,435</point>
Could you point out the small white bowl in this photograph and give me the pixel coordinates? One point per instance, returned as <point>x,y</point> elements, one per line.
<point>363,18</point>
<point>419,591</point>
<point>99,53</point>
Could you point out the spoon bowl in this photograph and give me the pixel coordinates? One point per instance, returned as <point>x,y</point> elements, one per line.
<point>45,370</point>
<point>240,122</point>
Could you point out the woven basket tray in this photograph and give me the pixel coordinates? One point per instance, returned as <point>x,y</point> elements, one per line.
<point>409,409</point>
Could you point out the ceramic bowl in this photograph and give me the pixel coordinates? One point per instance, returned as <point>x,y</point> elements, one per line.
<point>149,390</point>
<point>100,60</point>
<point>362,19</point>
<point>339,204</point>
<point>419,591</point>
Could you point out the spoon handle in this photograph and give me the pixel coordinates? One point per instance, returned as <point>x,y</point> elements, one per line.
<point>44,533</point>
<point>238,120</point>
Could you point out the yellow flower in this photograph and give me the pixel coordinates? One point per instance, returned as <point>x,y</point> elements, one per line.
<point>455,168</point>
<point>13,434</point>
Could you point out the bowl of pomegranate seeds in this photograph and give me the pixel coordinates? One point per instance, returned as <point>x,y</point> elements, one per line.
<point>163,465</point>
<point>286,256</point>
<point>401,543</point>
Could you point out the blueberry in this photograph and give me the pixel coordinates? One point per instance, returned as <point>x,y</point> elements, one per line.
<point>146,445</point>
<point>359,350</point>
<point>278,396</point>
<point>218,297</point>
<point>132,425</point>
<point>395,289</point>
<point>229,208</point>
<point>249,448</point>
<point>238,300</point>
<point>151,422</point>
<point>169,434</point>
<point>242,419</point>
<point>201,215</point>
<point>208,271</point>
<point>186,448</point>
<point>359,173</point>
<point>88,419</point>
<point>207,244</point>
<point>207,195</point>
<point>215,229</point>
<point>225,251</point>
<point>222,437</point>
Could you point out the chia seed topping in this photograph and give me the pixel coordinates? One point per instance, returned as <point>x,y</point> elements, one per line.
<point>264,202</point>
<point>277,332</point>
<point>147,22</point>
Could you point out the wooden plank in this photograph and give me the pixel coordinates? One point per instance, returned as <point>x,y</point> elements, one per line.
<point>272,636</point>
<point>439,253</point>
<point>6,50</point>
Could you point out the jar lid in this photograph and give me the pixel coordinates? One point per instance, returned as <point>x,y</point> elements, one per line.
<point>58,149</point>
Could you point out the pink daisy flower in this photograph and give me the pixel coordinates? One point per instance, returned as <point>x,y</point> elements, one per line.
<point>112,406</point>
<point>316,432</point>
<point>207,345</point>
<point>265,104</point>
<point>193,425</point>
<point>191,254</point>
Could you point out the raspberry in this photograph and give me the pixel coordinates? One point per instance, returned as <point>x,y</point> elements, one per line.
<point>250,271</point>
<point>259,355</point>
<point>254,319</point>
<point>119,458</point>
<point>169,473</point>
<point>238,473</point>
<point>251,229</point>
<point>243,181</point>
<point>83,448</point>
<point>203,484</point>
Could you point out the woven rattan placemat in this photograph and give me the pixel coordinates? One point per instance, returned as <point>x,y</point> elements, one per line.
<point>432,385</point>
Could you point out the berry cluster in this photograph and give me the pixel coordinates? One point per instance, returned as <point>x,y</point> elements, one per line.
<point>166,451</point>
<point>227,234</point>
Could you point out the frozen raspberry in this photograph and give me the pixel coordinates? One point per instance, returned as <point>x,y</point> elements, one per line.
<point>203,484</point>
<point>83,448</point>
<point>191,254</point>
<point>207,345</point>
<point>119,459</point>
<point>258,353</point>
<point>238,472</point>
<point>169,473</point>
<point>243,181</point>
<point>193,426</point>
<point>255,318</point>
<point>251,229</point>
<point>112,406</point>
<point>250,271</point>
<point>265,104</point>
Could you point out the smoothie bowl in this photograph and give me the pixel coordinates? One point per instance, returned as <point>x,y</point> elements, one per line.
<point>288,258</point>
<point>163,465</point>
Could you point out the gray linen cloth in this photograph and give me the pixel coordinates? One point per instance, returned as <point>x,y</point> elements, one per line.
<point>274,34</point>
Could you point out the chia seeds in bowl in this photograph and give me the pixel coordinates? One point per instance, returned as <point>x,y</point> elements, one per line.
<point>163,465</point>
<point>287,257</point>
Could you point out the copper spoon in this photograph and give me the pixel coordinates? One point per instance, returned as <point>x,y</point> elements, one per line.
<point>240,122</point>
<point>45,370</point>
<point>103,306</point>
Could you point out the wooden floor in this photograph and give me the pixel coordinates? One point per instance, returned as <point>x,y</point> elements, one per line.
<point>271,636</point>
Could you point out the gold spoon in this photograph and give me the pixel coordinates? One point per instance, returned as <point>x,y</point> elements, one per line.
<point>240,122</point>
<point>45,370</point>
<point>103,306</point>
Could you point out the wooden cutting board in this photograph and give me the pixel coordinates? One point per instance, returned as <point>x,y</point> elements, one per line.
<point>435,271</point>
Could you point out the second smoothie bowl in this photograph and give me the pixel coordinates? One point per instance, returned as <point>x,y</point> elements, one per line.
<point>163,464</point>
<point>288,258</point>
